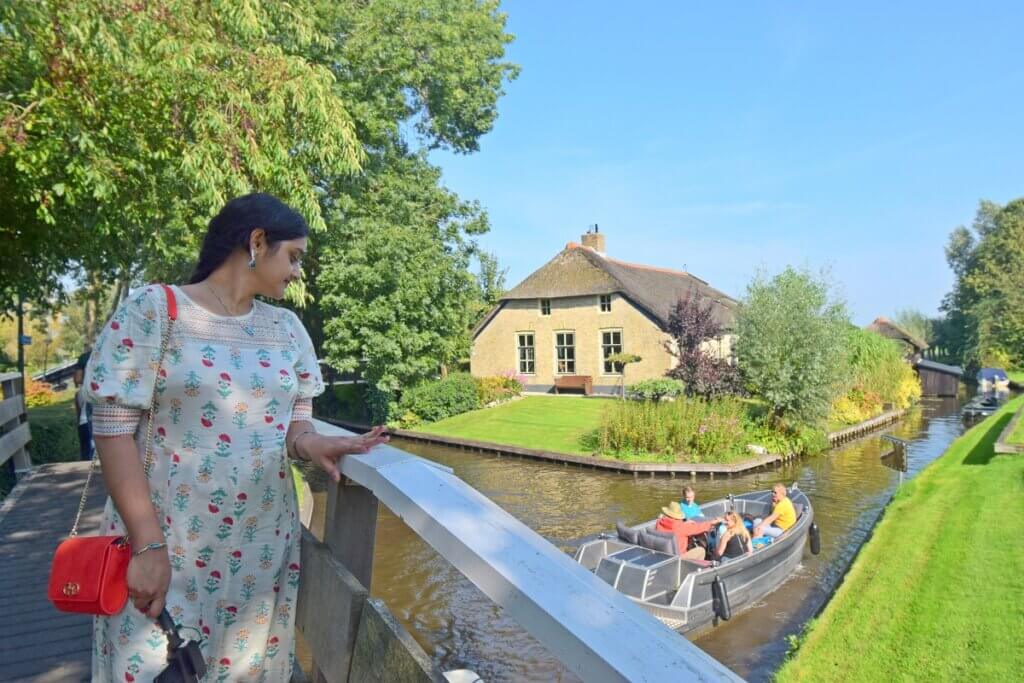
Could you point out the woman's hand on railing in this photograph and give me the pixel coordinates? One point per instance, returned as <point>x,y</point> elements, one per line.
<point>325,451</point>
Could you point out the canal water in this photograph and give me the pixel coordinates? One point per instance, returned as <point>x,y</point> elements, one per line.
<point>461,628</point>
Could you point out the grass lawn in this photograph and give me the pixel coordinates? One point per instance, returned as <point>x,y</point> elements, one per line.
<point>549,423</point>
<point>937,594</point>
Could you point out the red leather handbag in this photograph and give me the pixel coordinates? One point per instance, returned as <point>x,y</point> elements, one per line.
<point>89,574</point>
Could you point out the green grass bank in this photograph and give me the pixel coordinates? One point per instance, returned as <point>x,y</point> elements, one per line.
<point>552,423</point>
<point>937,594</point>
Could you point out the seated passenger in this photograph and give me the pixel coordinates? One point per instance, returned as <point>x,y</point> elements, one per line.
<point>674,521</point>
<point>735,541</point>
<point>690,508</point>
<point>783,515</point>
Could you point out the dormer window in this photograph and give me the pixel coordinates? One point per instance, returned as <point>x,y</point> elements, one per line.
<point>545,306</point>
<point>606,303</point>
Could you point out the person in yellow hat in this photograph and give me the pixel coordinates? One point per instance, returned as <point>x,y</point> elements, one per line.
<point>674,521</point>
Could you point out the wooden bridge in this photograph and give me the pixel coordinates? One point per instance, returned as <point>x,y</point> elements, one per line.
<point>597,633</point>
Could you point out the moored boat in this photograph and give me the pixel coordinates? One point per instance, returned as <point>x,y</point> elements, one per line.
<point>691,595</point>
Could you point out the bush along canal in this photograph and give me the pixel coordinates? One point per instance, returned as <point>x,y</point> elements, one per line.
<point>937,591</point>
<point>848,486</point>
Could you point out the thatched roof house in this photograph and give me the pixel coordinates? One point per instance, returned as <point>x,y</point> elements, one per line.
<point>601,305</point>
<point>888,328</point>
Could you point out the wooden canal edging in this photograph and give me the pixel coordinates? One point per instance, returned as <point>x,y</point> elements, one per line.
<point>14,429</point>
<point>1003,445</point>
<point>863,428</point>
<point>758,462</point>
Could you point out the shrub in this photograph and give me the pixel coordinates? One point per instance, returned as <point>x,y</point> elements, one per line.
<point>691,325</point>
<point>54,432</point>
<point>877,375</point>
<point>691,430</point>
<point>437,399</point>
<point>497,389</point>
<point>656,389</point>
<point>343,402</point>
<point>39,394</point>
<point>790,344</point>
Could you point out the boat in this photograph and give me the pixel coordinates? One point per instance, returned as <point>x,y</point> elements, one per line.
<point>691,596</point>
<point>993,379</point>
<point>982,405</point>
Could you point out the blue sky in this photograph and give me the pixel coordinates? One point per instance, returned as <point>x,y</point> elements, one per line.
<point>853,136</point>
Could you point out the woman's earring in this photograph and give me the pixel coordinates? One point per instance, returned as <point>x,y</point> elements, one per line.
<point>252,260</point>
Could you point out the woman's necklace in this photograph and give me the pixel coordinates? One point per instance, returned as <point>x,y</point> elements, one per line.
<point>247,326</point>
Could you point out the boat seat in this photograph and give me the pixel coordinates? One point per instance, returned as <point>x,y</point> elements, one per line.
<point>799,509</point>
<point>661,541</point>
<point>626,534</point>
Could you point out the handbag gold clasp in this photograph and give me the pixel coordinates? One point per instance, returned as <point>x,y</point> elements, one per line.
<point>71,588</point>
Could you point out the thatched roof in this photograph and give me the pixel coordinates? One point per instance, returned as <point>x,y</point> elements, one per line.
<point>581,271</point>
<point>887,328</point>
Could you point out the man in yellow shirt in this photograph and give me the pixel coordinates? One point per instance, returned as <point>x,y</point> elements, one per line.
<point>783,515</point>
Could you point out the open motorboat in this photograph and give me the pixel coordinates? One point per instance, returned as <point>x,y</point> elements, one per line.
<point>691,595</point>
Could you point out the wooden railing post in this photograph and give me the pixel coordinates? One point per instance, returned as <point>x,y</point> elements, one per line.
<point>14,430</point>
<point>351,528</point>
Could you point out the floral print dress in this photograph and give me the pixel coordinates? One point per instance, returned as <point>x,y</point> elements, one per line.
<point>220,482</point>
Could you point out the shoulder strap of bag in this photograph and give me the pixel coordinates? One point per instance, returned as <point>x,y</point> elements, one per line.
<point>171,306</point>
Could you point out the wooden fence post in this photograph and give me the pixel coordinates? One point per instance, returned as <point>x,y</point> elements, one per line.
<point>351,528</point>
<point>14,429</point>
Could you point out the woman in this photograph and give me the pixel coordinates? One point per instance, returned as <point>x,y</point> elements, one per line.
<point>735,540</point>
<point>213,526</point>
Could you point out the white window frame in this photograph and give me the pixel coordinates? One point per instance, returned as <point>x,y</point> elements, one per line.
<point>572,346</point>
<point>601,347</point>
<point>520,348</point>
<point>602,300</point>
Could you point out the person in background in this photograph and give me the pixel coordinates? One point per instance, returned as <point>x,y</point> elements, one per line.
<point>783,515</point>
<point>690,508</point>
<point>735,540</point>
<point>674,521</point>
<point>83,415</point>
<point>83,409</point>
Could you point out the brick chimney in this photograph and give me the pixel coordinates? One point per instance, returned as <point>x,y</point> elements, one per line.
<point>594,239</point>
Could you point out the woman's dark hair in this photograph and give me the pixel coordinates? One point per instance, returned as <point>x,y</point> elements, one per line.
<point>230,229</point>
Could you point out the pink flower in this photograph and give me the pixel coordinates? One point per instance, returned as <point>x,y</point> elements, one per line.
<point>127,342</point>
<point>225,438</point>
<point>228,521</point>
<point>215,574</point>
<point>225,376</point>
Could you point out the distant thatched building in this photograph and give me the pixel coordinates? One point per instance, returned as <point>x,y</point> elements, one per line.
<point>570,315</point>
<point>913,347</point>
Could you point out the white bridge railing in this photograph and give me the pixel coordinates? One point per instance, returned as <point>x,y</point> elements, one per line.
<point>596,632</point>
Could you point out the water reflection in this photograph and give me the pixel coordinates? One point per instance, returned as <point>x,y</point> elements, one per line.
<point>461,628</point>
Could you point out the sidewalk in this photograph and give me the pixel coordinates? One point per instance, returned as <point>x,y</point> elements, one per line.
<point>38,643</point>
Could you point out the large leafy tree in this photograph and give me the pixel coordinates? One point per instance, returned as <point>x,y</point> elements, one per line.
<point>124,125</point>
<point>791,344</point>
<point>985,309</point>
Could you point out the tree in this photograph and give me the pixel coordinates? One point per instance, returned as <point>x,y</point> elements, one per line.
<point>985,309</point>
<point>123,127</point>
<point>691,325</point>
<point>790,344</point>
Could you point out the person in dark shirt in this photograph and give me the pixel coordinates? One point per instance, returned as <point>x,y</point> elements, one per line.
<point>83,409</point>
<point>735,540</point>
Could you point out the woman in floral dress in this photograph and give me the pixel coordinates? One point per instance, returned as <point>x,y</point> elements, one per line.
<point>214,526</point>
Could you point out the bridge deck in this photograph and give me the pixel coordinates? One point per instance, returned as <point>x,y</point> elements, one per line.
<point>38,643</point>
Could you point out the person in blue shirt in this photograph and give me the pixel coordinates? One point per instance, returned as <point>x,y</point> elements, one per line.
<point>690,508</point>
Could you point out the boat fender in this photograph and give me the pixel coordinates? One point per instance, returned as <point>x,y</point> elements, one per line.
<point>815,536</point>
<point>720,599</point>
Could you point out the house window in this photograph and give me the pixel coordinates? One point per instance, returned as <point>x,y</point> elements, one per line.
<point>526,353</point>
<point>545,306</point>
<point>565,353</point>
<point>611,343</point>
<point>606,303</point>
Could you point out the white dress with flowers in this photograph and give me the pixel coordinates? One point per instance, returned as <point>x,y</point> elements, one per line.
<point>225,395</point>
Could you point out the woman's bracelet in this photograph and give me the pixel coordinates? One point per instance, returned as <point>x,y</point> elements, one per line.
<point>149,546</point>
<point>295,443</point>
